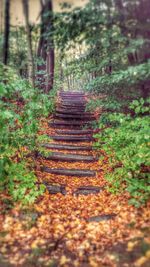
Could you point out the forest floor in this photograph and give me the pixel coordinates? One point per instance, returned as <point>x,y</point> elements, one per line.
<point>76,222</point>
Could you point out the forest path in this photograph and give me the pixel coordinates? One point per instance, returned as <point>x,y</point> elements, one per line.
<point>71,147</point>
<point>76,222</point>
<point>83,223</point>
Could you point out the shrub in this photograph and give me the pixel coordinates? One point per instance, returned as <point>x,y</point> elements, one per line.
<point>21,108</point>
<point>126,141</point>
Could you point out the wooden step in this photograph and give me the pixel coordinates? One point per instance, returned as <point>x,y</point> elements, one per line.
<point>78,108</point>
<point>72,98</point>
<point>69,105</point>
<point>67,147</point>
<point>69,123</point>
<point>69,93</point>
<point>55,189</point>
<point>72,111</point>
<point>72,92</point>
<point>86,190</point>
<point>103,217</point>
<point>70,172</point>
<point>72,102</point>
<point>65,126</point>
<point>57,156</point>
<point>71,138</point>
<point>73,116</point>
<point>72,108</point>
<point>74,132</point>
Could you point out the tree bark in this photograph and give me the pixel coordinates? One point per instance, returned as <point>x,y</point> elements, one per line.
<point>50,69</point>
<point>45,51</point>
<point>6,32</point>
<point>31,70</point>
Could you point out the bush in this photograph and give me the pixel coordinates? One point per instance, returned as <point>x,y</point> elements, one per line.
<point>21,107</point>
<point>126,141</point>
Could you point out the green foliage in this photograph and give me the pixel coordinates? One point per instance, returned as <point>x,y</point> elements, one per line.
<point>105,103</point>
<point>21,183</point>
<point>18,53</point>
<point>109,46</point>
<point>126,141</point>
<point>21,108</point>
<point>133,75</point>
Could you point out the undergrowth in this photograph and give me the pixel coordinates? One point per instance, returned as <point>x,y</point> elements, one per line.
<point>125,139</point>
<point>21,108</point>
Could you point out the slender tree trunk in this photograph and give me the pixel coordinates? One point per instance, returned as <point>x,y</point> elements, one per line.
<point>50,68</point>
<point>46,48</point>
<point>41,54</point>
<point>6,32</point>
<point>31,71</point>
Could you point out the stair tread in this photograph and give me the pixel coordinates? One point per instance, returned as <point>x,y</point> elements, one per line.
<point>70,111</point>
<point>74,116</point>
<point>69,157</point>
<point>72,138</point>
<point>63,122</point>
<point>55,189</point>
<point>68,147</point>
<point>86,190</point>
<point>74,132</point>
<point>70,172</point>
<point>103,217</point>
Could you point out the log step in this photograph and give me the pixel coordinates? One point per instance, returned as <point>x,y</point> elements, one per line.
<point>64,126</point>
<point>69,157</point>
<point>73,109</point>
<point>70,111</point>
<point>74,132</point>
<point>72,98</point>
<point>75,106</point>
<point>70,172</point>
<point>103,217</point>
<point>71,138</point>
<point>72,94</point>
<point>86,190</point>
<point>74,116</point>
<point>55,189</point>
<point>69,123</point>
<point>72,102</point>
<point>67,147</point>
<point>79,107</point>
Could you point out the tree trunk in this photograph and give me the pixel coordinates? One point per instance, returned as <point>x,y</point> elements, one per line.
<point>31,71</point>
<point>50,68</point>
<point>6,32</point>
<point>145,89</point>
<point>45,51</point>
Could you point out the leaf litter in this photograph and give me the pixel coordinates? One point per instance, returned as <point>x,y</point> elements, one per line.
<point>55,231</point>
